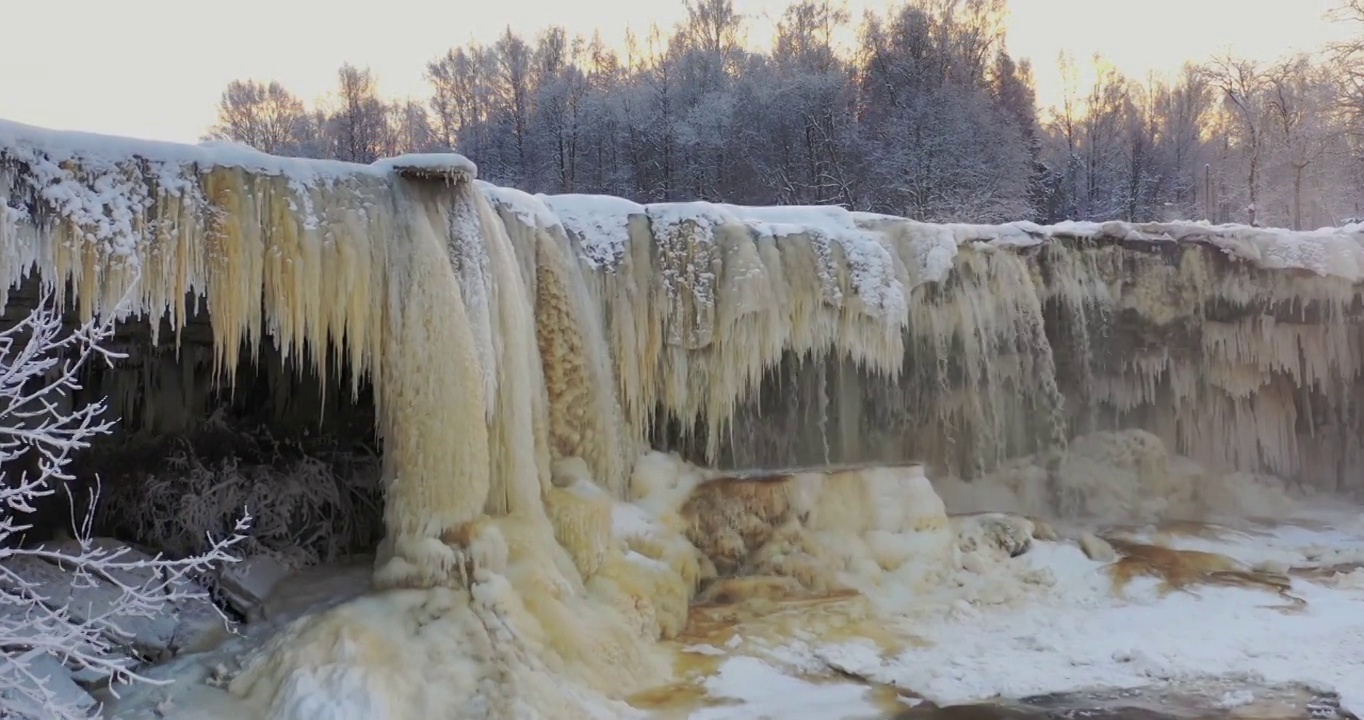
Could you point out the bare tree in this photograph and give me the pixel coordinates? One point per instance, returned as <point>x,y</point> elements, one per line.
<point>1299,115</point>
<point>1241,83</point>
<point>410,129</point>
<point>1348,57</point>
<point>1181,110</point>
<point>359,123</point>
<point>1107,111</point>
<point>1067,119</point>
<point>814,87</point>
<point>561,89</point>
<point>462,102</point>
<point>264,116</point>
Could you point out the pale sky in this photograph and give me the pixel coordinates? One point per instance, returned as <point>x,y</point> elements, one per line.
<point>155,68</point>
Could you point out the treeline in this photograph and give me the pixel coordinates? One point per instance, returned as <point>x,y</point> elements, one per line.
<point>927,116</point>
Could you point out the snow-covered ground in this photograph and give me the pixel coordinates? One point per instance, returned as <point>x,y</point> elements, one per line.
<point>1064,627</point>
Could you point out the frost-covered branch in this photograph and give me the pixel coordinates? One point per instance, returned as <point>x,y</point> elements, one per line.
<point>41,364</point>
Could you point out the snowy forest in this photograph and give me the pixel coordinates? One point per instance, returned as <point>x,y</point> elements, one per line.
<point>926,115</point>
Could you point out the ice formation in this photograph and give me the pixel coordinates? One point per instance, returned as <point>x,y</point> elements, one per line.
<point>527,351</point>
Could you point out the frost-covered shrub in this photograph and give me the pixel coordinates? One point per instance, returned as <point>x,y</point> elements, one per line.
<point>41,628</point>
<point>310,503</point>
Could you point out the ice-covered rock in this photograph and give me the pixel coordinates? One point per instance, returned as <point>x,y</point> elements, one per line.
<point>1011,535</point>
<point>58,685</point>
<point>149,633</point>
<point>1096,548</point>
<point>247,584</point>
<point>88,597</point>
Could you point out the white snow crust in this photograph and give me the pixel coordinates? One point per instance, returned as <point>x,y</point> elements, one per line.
<point>1048,622</point>
<point>450,164</point>
<point>101,183</point>
<point>26,141</point>
<point>527,208</point>
<point>600,223</point>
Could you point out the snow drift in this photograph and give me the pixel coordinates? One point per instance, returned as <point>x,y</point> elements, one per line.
<point>526,351</point>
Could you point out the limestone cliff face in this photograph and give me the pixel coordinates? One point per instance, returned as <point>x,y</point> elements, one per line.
<point>834,337</point>
<point>1235,365</point>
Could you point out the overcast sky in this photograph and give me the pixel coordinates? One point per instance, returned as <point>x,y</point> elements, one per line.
<point>155,68</point>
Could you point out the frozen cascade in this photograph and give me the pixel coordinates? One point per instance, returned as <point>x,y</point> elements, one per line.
<point>526,352</point>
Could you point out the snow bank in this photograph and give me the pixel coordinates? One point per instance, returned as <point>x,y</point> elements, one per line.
<point>1327,252</point>
<point>527,208</point>
<point>601,222</point>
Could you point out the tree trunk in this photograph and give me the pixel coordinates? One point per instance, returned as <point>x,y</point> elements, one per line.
<point>1297,196</point>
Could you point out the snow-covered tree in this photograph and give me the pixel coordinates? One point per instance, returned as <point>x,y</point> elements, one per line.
<point>41,366</point>
<point>1181,110</point>
<point>1299,127</point>
<point>409,129</point>
<point>926,113</point>
<point>1241,83</point>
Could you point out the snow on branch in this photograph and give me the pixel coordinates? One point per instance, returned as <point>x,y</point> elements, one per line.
<point>63,621</point>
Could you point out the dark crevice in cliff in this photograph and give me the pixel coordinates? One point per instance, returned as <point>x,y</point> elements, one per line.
<point>193,448</point>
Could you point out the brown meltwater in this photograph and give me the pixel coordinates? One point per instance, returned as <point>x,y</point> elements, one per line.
<point>749,612</point>
<point>717,631</point>
<point>1187,569</point>
<point>687,692</point>
<point>1183,569</point>
<point>1325,572</point>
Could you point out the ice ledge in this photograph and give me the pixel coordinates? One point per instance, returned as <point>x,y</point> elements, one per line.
<point>27,143</point>
<point>602,222</point>
<point>430,166</point>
